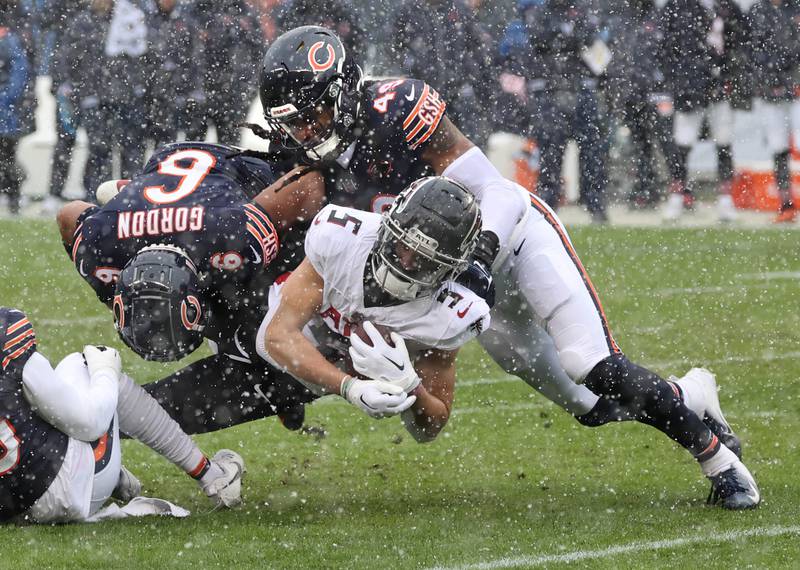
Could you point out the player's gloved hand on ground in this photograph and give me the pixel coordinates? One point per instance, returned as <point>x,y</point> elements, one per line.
<point>102,360</point>
<point>382,361</point>
<point>477,277</point>
<point>375,398</point>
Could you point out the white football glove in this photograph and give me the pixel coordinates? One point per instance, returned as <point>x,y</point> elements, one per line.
<point>382,361</point>
<point>375,398</point>
<point>108,189</point>
<point>102,360</point>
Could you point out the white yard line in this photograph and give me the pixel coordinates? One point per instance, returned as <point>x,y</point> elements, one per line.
<point>710,290</point>
<point>711,536</point>
<point>770,275</point>
<point>71,322</point>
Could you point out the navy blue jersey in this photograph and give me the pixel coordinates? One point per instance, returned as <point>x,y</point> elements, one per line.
<point>195,196</point>
<point>398,117</point>
<point>31,450</point>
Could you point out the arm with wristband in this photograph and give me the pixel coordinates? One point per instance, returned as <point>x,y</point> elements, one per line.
<point>301,299</point>
<point>430,377</point>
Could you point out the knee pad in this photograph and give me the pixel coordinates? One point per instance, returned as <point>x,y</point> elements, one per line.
<point>605,411</point>
<point>636,389</point>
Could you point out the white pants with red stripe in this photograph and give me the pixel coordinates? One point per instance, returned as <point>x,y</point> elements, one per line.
<point>547,324</point>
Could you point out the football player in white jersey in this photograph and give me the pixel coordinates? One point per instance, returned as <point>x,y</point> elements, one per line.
<point>363,269</point>
<point>549,327</point>
<point>60,457</point>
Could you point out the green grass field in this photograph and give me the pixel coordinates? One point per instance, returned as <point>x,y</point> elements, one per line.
<point>513,482</point>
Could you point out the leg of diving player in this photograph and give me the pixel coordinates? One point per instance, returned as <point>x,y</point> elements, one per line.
<point>554,284</point>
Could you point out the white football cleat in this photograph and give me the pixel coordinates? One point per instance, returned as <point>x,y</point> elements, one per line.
<point>673,209</point>
<point>127,487</point>
<point>726,211</point>
<point>226,490</point>
<point>704,401</point>
<point>734,489</point>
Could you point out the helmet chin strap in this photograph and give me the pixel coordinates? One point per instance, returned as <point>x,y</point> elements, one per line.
<point>320,151</point>
<point>331,144</point>
<point>392,284</point>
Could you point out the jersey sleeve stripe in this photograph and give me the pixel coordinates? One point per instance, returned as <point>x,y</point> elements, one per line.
<point>431,129</point>
<point>261,215</point>
<point>417,107</point>
<point>19,352</point>
<point>266,255</point>
<point>265,233</point>
<point>259,212</point>
<point>18,325</point>
<point>18,338</point>
<point>75,245</point>
<point>414,131</point>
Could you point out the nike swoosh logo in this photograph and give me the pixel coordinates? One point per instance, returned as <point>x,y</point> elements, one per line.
<point>410,96</point>
<point>260,394</point>
<point>363,401</point>
<point>398,366</point>
<point>256,254</point>
<point>81,270</point>
<point>464,312</point>
<point>516,251</point>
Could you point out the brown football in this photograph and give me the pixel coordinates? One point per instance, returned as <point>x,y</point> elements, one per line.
<point>357,328</point>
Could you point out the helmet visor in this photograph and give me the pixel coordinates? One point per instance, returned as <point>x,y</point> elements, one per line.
<point>412,261</point>
<point>152,333</point>
<point>311,126</point>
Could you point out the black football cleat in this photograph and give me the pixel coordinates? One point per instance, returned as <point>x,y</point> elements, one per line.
<point>734,489</point>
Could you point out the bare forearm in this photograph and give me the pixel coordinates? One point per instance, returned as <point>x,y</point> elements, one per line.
<point>291,199</point>
<point>67,219</point>
<point>299,357</point>
<point>427,417</point>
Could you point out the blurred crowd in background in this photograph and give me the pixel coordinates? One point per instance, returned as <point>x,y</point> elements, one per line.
<point>138,73</point>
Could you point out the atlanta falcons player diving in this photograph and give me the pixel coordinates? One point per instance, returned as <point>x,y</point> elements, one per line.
<point>364,270</point>
<point>370,138</point>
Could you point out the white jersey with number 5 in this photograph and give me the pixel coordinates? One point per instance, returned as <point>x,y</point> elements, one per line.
<point>338,245</point>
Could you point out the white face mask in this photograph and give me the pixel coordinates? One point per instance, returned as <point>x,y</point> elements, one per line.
<point>328,146</point>
<point>392,284</point>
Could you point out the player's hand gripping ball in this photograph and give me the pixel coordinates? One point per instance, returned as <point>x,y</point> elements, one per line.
<point>380,358</point>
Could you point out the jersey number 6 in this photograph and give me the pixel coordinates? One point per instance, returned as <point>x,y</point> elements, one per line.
<point>9,447</point>
<point>201,163</point>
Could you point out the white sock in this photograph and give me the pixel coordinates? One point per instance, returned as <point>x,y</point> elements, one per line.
<point>719,462</point>
<point>142,418</point>
<point>205,472</point>
<point>693,397</point>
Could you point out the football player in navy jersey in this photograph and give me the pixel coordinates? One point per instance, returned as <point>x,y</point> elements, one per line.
<point>60,456</point>
<point>370,138</point>
<point>185,251</point>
